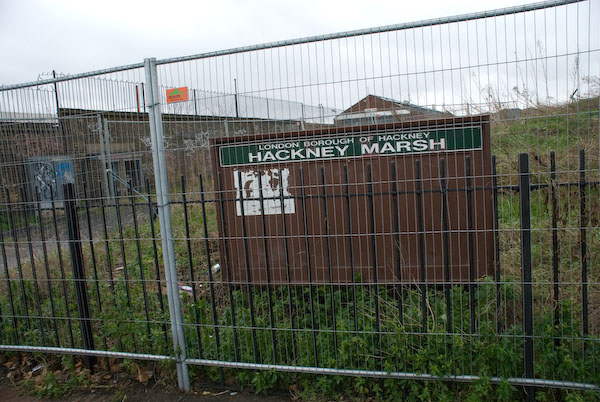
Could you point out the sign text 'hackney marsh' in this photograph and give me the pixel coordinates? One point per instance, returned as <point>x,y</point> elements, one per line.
<point>381,143</point>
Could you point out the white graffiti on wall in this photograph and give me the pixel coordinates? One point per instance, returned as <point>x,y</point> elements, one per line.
<point>192,142</point>
<point>44,177</point>
<point>272,188</point>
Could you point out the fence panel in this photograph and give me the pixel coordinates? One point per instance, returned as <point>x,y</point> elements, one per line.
<point>366,271</point>
<point>91,134</point>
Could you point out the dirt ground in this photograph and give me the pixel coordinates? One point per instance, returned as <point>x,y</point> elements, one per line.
<point>114,385</point>
<point>134,392</point>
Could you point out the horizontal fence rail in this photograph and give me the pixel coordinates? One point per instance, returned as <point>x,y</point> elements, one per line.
<point>416,201</point>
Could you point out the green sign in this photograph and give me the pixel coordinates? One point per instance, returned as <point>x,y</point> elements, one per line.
<point>322,148</point>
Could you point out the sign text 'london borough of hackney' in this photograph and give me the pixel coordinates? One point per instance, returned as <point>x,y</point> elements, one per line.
<point>337,204</point>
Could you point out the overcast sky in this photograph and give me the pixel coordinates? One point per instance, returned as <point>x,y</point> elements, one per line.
<point>73,36</point>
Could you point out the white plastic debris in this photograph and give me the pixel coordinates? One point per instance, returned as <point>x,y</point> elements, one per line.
<point>216,268</point>
<point>37,368</point>
<point>184,288</point>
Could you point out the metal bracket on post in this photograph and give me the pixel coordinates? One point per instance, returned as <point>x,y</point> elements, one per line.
<point>164,216</point>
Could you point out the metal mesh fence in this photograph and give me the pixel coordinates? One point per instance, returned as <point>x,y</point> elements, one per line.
<point>413,201</point>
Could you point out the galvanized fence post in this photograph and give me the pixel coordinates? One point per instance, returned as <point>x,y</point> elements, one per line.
<point>164,216</point>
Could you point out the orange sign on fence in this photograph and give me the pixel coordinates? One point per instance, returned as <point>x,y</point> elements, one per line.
<point>177,95</point>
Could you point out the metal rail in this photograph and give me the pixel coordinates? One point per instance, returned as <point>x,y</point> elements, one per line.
<point>397,375</point>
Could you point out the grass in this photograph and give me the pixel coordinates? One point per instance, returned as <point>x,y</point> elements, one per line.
<point>132,315</point>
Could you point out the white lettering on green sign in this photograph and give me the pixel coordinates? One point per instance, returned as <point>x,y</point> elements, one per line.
<point>394,143</point>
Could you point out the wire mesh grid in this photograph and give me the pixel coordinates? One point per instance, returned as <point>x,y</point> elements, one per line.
<point>459,239</point>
